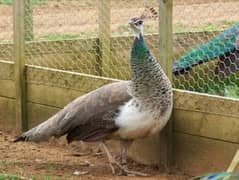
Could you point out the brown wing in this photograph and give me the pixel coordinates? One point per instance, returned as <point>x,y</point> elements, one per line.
<point>98,127</point>
<point>84,116</point>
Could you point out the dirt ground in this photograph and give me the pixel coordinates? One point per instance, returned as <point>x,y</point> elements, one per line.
<point>57,160</point>
<point>81,17</point>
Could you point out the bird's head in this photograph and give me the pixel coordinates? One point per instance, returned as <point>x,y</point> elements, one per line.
<point>136,25</point>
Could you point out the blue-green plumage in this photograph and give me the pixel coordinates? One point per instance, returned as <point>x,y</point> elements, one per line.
<point>223,46</point>
<point>140,50</point>
<point>217,176</point>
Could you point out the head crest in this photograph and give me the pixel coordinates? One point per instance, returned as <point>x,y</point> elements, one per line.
<point>149,13</point>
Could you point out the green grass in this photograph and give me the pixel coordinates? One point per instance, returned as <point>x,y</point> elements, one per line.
<point>125,29</point>
<point>219,26</point>
<point>231,91</point>
<point>33,1</point>
<point>18,177</point>
<point>58,37</point>
<point>54,37</point>
<point>9,177</point>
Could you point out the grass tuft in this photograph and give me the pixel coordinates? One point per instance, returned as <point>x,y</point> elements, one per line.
<point>9,2</point>
<point>54,37</point>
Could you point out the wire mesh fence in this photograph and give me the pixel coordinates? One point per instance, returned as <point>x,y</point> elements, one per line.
<point>6,23</point>
<point>84,36</point>
<point>206,47</point>
<point>6,32</point>
<point>93,37</point>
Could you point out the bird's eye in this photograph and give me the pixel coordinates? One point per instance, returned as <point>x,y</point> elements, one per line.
<point>140,22</point>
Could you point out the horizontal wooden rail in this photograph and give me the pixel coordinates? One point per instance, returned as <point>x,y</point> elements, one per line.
<point>205,126</point>
<point>195,113</point>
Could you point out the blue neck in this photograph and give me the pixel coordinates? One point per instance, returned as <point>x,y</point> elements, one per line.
<point>140,51</point>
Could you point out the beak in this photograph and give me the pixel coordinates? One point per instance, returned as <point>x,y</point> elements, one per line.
<point>131,22</point>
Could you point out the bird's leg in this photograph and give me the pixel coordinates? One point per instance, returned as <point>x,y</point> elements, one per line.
<point>125,144</point>
<point>112,161</point>
<point>109,156</point>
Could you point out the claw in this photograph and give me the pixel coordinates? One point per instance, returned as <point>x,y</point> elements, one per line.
<point>124,170</point>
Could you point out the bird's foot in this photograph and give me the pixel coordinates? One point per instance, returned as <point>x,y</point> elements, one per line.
<point>123,169</point>
<point>110,158</point>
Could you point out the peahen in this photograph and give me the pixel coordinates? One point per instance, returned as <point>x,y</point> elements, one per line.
<point>125,110</point>
<point>225,46</point>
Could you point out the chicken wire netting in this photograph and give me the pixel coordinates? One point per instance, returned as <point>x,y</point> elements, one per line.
<point>206,46</point>
<point>6,31</point>
<point>81,36</point>
<point>85,36</point>
<point>94,38</point>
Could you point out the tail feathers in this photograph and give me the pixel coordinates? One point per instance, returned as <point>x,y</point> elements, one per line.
<point>45,130</point>
<point>20,138</point>
<point>34,134</point>
<point>180,70</point>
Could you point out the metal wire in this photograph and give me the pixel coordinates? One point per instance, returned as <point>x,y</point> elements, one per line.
<point>205,45</point>
<point>67,35</point>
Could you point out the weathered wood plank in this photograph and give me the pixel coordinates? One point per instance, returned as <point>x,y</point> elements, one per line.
<point>52,96</point>
<point>7,113</point>
<point>208,116</point>
<point>104,10</point>
<point>57,83</point>
<point>65,79</point>
<point>207,125</point>
<point>7,88</point>
<point>6,70</point>
<point>198,102</point>
<point>197,155</point>
<point>19,57</point>
<point>38,113</point>
<point>166,49</point>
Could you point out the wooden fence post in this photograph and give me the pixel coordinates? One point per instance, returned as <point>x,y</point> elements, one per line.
<point>166,50</point>
<point>104,34</point>
<point>19,57</point>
